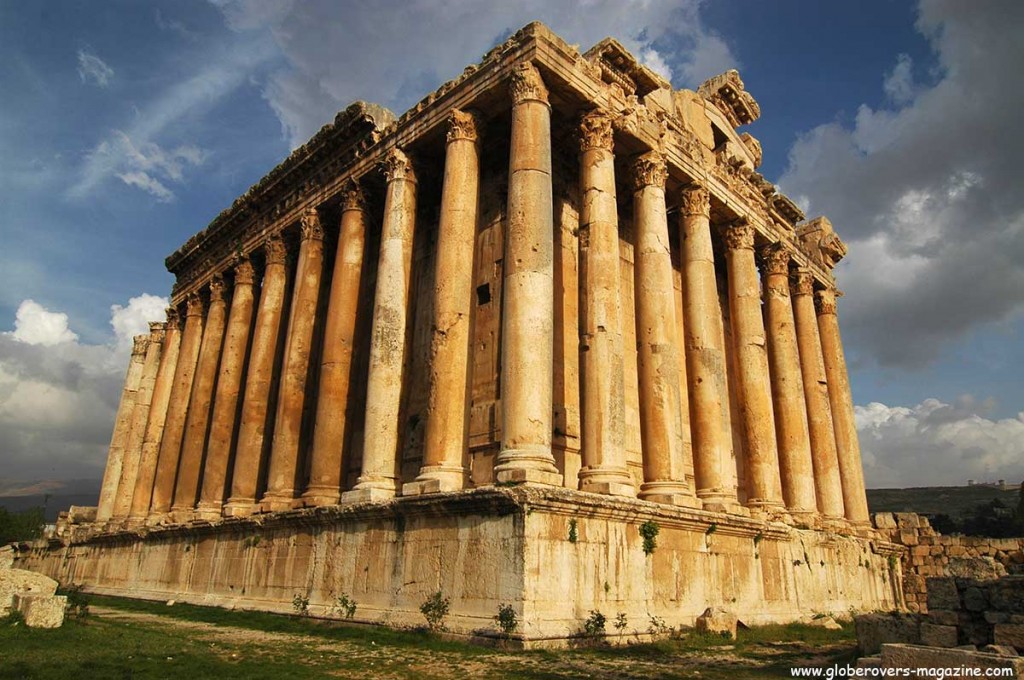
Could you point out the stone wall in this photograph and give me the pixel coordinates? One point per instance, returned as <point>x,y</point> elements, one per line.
<point>931,554</point>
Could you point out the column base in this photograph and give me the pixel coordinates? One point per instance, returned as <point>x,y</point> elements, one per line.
<point>133,523</point>
<point>528,466</point>
<point>770,511</point>
<point>804,519</point>
<point>317,496</point>
<point>609,488</point>
<point>277,502</point>
<point>669,492</point>
<point>436,479</point>
<point>609,481</point>
<point>239,507</point>
<point>370,494</point>
<point>518,475</point>
<point>717,500</point>
<point>181,515</point>
<point>210,512</point>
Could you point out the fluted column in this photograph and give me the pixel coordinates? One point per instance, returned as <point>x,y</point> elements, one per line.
<point>797,470</point>
<point>122,431</point>
<point>528,316</point>
<point>155,421</point>
<point>827,485</point>
<point>447,435</point>
<point>391,307</point>
<point>851,471</point>
<point>331,428</point>
<point>602,366</point>
<point>197,423</point>
<point>140,414</point>
<point>225,401</point>
<point>174,425</point>
<point>764,488</point>
<point>659,352</point>
<point>259,378</point>
<point>705,354</point>
<point>284,454</point>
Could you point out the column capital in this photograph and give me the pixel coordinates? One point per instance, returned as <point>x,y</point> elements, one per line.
<point>649,170</point>
<point>596,131</point>
<point>801,282</point>
<point>140,343</point>
<point>825,301</point>
<point>696,200</point>
<point>245,275</point>
<point>310,225</point>
<point>275,249</point>
<point>527,85</point>
<point>774,259</point>
<point>172,318</point>
<point>397,165</point>
<point>217,288</point>
<point>739,235</point>
<point>157,326</point>
<point>463,125</point>
<point>352,196</point>
<point>194,305</point>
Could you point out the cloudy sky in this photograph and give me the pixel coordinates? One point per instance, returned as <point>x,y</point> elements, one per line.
<point>125,126</point>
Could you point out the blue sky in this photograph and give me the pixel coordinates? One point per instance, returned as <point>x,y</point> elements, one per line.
<point>126,126</point>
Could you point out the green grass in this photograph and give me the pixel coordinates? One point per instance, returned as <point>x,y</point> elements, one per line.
<point>222,644</point>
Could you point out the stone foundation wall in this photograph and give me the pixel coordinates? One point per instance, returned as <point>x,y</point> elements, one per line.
<point>554,555</point>
<point>931,554</point>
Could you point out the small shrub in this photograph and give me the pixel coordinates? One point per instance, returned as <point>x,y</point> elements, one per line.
<point>435,609</point>
<point>657,626</point>
<point>712,528</point>
<point>649,532</point>
<point>251,542</point>
<point>78,602</point>
<point>621,622</point>
<point>347,606</point>
<point>758,538</point>
<point>573,533</point>
<point>507,619</point>
<point>300,604</point>
<point>594,625</point>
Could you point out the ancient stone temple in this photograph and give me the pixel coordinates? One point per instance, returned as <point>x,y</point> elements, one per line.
<point>548,339</point>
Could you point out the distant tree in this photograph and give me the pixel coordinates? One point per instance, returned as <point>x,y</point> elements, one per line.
<point>21,526</point>
<point>993,519</point>
<point>945,524</point>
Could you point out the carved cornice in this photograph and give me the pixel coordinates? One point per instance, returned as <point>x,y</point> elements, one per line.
<point>217,289</point>
<point>596,131</point>
<point>397,165</point>
<point>696,200</point>
<point>275,249</point>
<point>649,170</point>
<point>726,92</point>
<point>825,301</point>
<point>775,259</point>
<point>754,147</point>
<point>801,283</point>
<point>527,85</point>
<point>194,305</point>
<point>310,226</point>
<point>463,125</point>
<point>739,235</point>
<point>245,275</point>
<point>140,343</point>
<point>353,197</point>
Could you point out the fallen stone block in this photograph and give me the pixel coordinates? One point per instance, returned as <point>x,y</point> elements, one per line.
<point>1011,634</point>
<point>719,621</point>
<point>874,630</point>
<point>941,617</point>
<point>942,594</point>
<point>980,568</point>
<point>14,581</point>
<point>938,636</point>
<point>916,656</point>
<point>41,611</point>
<point>1001,650</point>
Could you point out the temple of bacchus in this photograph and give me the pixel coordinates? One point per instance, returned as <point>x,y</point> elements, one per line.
<point>488,348</point>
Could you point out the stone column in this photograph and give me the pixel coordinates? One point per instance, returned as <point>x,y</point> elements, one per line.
<point>764,488</point>
<point>851,471</point>
<point>827,486</point>
<point>528,315</point>
<point>447,435</point>
<point>155,422</point>
<point>197,423</point>
<point>705,354</point>
<point>122,430</point>
<point>174,425</point>
<point>291,400</point>
<point>388,339</point>
<point>225,401</point>
<point>259,378</point>
<point>657,339</point>
<point>140,414</point>
<point>601,346</point>
<point>331,428</point>
<point>787,386</point>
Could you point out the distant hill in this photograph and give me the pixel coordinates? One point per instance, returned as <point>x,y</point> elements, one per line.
<point>933,500</point>
<point>54,495</point>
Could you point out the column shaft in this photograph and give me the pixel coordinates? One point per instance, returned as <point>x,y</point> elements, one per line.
<point>174,425</point>
<point>528,315</point>
<point>764,488</point>
<point>851,471</point>
<point>705,353</point>
<point>122,431</point>
<point>827,485</point>
<point>284,455</point>
<point>143,494</point>
<point>259,379</point>
<point>331,429</point>
<point>447,436</point>
<point>225,402</point>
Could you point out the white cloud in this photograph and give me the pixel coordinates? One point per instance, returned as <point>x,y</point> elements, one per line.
<point>654,61</point>
<point>146,165</point>
<point>935,443</point>
<point>91,67</point>
<point>926,193</point>
<point>36,325</point>
<point>133,319</point>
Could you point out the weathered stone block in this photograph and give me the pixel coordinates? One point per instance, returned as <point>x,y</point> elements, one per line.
<point>718,621</point>
<point>941,617</point>
<point>974,599</point>
<point>981,568</point>
<point>874,630</point>
<point>41,611</point>
<point>914,656</point>
<point>942,594</point>
<point>1001,650</point>
<point>1007,595</point>
<point>938,636</point>
<point>997,617</point>
<point>885,520</point>
<point>1011,634</point>
<point>14,581</point>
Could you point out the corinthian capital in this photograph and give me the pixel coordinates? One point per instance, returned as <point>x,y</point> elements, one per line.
<point>157,330</point>
<point>696,200</point>
<point>775,259</point>
<point>463,125</point>
<point>527,85</point>
<point>140,343</point>
<point>825,301</point>
<point>172,318</point>
<point>649,170</point>
<point>217,288</point>
<point>194,305</point>
<point>244,273</point>
<point>739,235</point>
<point>802,283</point>
<point>352,197</point>
<point>310,225</point>
<point>275,249</point>
<point>397,165</point>
<point>596,131</point>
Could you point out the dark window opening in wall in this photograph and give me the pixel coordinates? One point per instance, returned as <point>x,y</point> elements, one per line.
<point>483,294</point>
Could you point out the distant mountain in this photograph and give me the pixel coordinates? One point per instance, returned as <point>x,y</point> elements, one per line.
<point>52,494</point>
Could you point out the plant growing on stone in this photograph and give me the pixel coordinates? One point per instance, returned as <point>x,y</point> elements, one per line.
<point>649,532</point>
<point>621,622</point>
<point>300,604</point>
<point>434,610</point>
<point>573,534</point>
<point>506,619</point>
<point>347,606</point>
<point>594,625</point>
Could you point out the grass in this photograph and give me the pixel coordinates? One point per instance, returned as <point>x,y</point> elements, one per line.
<point>124,640</point>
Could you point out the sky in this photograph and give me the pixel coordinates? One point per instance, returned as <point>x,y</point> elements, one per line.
<point>126,126</point>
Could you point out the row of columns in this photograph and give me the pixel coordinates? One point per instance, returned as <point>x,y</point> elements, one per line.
<point>801,452</point>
